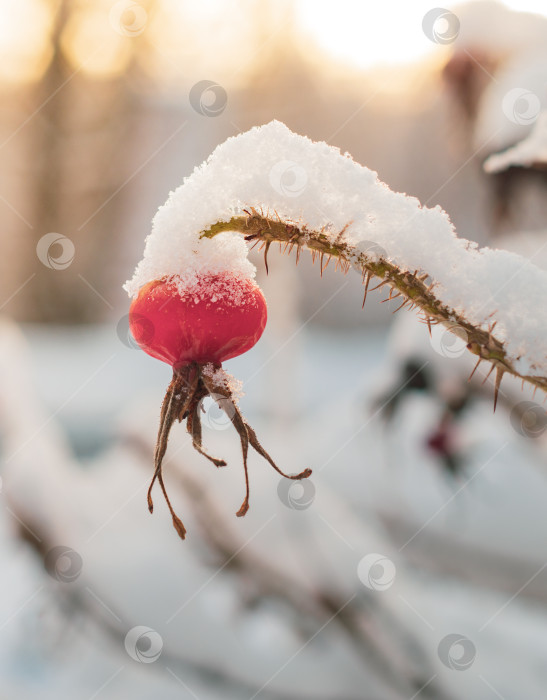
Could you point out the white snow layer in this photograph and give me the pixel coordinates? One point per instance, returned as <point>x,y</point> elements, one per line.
<point>533,149</point>
<point>288,175</point>
<point>509,32</point>
<point>511,103</point>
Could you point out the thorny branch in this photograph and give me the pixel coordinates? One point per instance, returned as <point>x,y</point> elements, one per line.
<point>414,288</point>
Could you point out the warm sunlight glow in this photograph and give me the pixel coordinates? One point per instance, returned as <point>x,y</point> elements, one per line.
<point>180,41</point>
<point>92,44</point>
<point>381,33</point>
<point>192,36</point>
<point>24,45</point>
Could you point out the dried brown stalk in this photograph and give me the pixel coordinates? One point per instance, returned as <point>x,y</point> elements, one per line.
<point>183,401</point>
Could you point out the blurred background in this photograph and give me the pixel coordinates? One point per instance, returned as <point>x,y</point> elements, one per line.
<point>413,563</point>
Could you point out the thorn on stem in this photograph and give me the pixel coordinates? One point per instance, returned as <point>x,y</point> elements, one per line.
<point>499,377</point>
<point>368,275</point>
<point>266,249</point>
<point>474,369</point>
<point>489,373</point>
<point>379,285</point>
<point>401,306</point>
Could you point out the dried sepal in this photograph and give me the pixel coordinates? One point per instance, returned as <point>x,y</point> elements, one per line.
<point>183,401</point>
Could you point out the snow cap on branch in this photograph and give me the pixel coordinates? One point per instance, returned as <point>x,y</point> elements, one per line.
<point>529,152</point>
<point>275,170</point>
<point>312,184</point>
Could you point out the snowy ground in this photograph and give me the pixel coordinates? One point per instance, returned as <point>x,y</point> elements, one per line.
<point>464,557</point>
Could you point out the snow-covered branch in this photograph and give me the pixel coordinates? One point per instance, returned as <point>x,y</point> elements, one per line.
<point>416,290</point>
<point>272,185</point>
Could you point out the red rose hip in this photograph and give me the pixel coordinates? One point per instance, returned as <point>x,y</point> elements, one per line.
<point>217,318</point>
<point>194,328</point>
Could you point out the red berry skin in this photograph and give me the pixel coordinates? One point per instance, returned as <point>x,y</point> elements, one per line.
<point>221,317</point>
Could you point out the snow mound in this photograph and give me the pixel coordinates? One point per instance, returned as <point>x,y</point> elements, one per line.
<point>533,149</point>
<point>287,175</point>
